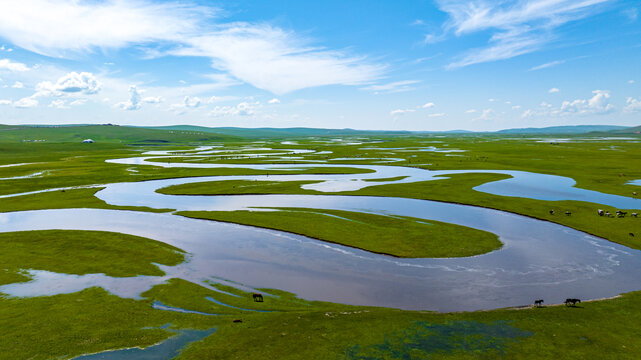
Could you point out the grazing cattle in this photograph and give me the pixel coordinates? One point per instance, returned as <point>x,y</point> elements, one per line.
<point>607,213</point>
<point>257,297</point>
<point>571,302</point>
<point>600,212</point>
<point>634,193</point>
<point>634,214</point>
<point>568,213</point>
<point>238,320</point>
<point>631,234</point>
<point>621,213</point>
<point>538,303</point>
<point>551,212</point>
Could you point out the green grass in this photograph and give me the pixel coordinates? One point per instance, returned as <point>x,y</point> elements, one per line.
<point>456,188</point>
<point>65,326</point>
<point>459,189</point>
<point>105,133</point>
<point>396,236</point>
<point>605,330</point>
<point>82,252</point>
<point>235,187</point>
<point>68,199</point>
<point>90,321</point>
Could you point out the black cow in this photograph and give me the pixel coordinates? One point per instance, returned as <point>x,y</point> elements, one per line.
<point>538,302</point>
<point>257,297</point>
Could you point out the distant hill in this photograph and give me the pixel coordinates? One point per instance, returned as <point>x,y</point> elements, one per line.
<point>630,130</point>
<point>278,132</point>
<point>103,133</point>
<point>576,129</point>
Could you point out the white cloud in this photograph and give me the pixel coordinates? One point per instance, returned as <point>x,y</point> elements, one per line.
<point>631,14</point>
<point>264,56</point>
<point>189,102</point>
<point>470,111</point>
<point>5,102</point>
<point>6,64</point>
<point>401,112</point>
<point>58,104</point>
<point>275,60</point>
<point>428,105</point>
<point>274,101</point>
<point>486,114</point>
<point>491,100</point>
<point>597,104</point>
<point>152,99</point>
<point>71,83</point>
<point>78,102</point>
<point>527,114</point>
<point>218,99</point>
<point>393,87</point>
<point>17,85</point>
<point>27,102</point>
<point>553,90</point>
<point>134,100</point>
<point>516,107</point>
<point>547,65</point>
<point>630,81</point>
<point>632,105</point>
<point>54,27</point>
<point>62,104</point>
<point>436,115</point>
<point>242,109</point>
<point>518,26</point>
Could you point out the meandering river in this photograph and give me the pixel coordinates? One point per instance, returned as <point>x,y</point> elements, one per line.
<point>538,260</point>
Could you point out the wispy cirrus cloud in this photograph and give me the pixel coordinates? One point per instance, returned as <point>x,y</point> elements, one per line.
<point>61,28</point>
<point>392,87</point>
<point>517,27</point>
<point>264,56</point>
<point>547,65</point>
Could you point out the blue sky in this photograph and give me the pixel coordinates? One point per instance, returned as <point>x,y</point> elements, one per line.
<point>414,65</point>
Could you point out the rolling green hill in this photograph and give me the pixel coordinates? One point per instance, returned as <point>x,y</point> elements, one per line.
<point>277,132</point>
<point>104,134</point>
<point>577,129</point>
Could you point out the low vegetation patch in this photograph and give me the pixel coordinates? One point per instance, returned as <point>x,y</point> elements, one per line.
<point>397,236</point>
<point>82,252</point>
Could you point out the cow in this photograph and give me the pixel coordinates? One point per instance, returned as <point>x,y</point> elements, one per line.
<point>634,214</point>
<point>568,213</point>
<point>600,212</point>
<point>551,212</point>
<point>257,297</point>
<point>538,302</point>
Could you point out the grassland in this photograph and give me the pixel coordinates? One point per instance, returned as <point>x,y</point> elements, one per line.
<point>456,188</point>
<point>92,320</point>
<point>396,236</point>
<point>82,252</point>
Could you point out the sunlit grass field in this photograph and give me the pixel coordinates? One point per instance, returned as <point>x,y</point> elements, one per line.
<point>92,320</point>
